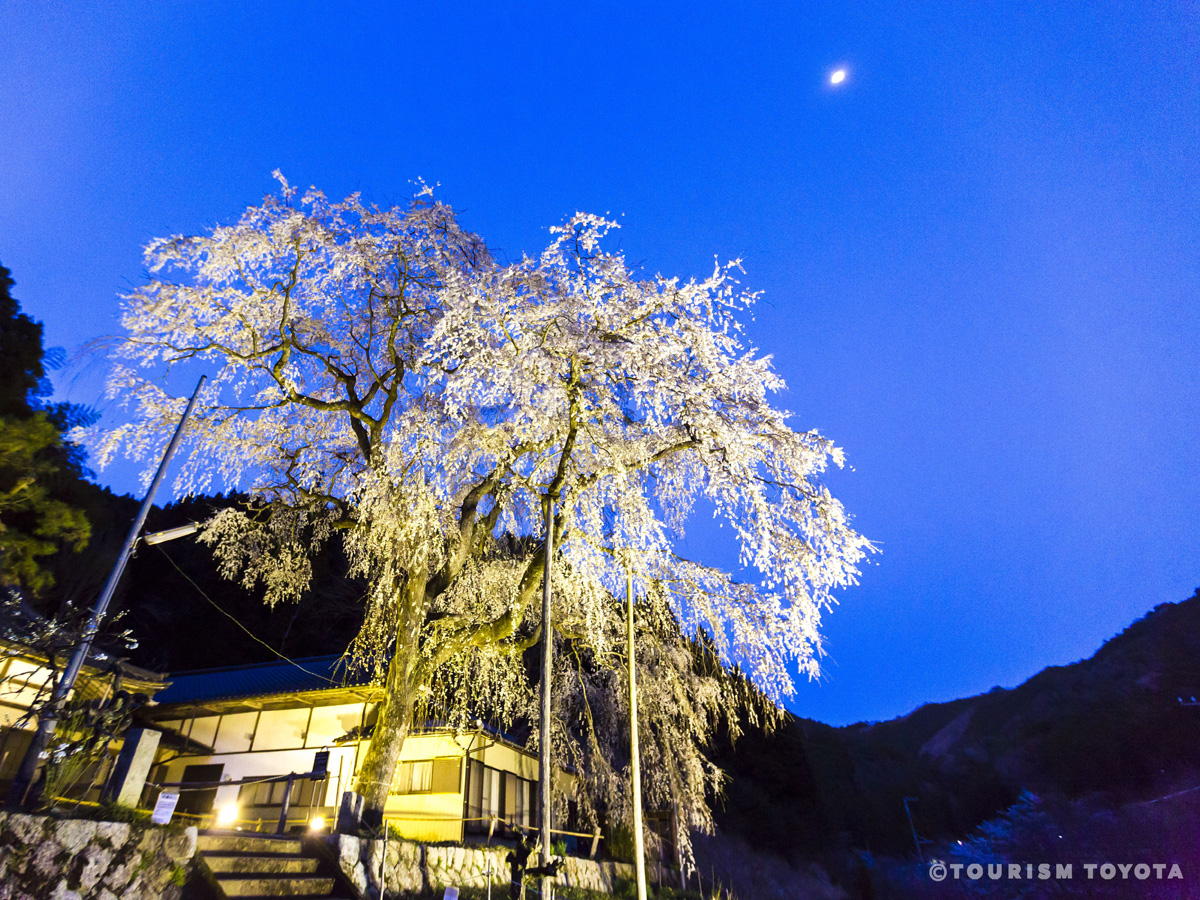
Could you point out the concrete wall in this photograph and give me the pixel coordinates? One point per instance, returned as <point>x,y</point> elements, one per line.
<point>413,867</point>
<point>43,858</point>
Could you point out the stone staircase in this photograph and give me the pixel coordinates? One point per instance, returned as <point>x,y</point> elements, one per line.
<point>258,865</point>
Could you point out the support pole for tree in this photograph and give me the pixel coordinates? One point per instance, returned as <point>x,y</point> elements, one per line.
<point>635,754</point>
<point>48,720</point>
<point>545,775</point>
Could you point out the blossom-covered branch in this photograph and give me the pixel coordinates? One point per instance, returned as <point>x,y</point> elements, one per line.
<point>375,373</point>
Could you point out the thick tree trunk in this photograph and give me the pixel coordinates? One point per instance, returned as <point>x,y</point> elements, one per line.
<point>391,728</point>
<point>395,717</point>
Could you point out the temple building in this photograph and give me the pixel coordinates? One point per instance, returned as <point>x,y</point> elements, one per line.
<point>234,732</point>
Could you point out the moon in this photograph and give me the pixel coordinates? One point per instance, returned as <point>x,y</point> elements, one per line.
<point>837,76</point>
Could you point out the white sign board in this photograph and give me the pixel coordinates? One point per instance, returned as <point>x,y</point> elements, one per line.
<point>451,894</point>
<point>164,808</point>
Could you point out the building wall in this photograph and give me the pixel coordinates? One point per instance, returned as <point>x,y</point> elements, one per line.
<point>20,683</point>
<point>508,759</point>
<point>426,817</point>
<point>272,729</point>
<point>428,800</point>
<point>267,743</point>
<point>429,806</point>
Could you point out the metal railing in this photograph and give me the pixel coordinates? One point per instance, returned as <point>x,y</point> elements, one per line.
<point>283,822</point>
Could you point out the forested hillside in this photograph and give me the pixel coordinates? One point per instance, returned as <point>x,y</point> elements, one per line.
<point>1109,728</point>
<point>184,614</point>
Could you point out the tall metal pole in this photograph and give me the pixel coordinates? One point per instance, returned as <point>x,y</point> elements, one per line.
<point>47,723</point>
<point>912,828</point>
<point>545,776</point>
<point>635,754</point>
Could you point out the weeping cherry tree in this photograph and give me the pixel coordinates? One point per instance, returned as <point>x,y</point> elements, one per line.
<point>376,374</point>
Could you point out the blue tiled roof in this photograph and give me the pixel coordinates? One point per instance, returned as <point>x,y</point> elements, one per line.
<point>315,673</point>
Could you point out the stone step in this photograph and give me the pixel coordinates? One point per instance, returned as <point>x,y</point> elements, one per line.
<point>287,886</point>
<point>253,844</point>
<point>220,864</point>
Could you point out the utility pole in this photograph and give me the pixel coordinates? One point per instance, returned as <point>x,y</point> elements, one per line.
<point>639,857</point>
<point>916,840</point>
<point>47,722</point>
<point>545,776</point>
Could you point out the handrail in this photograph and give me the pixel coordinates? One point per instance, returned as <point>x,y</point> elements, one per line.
<point>209,785</point>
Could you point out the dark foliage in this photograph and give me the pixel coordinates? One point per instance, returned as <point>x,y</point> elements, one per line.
<point>21,370</point>
<point>773,799</point>
<point>38,468</point>
<point>165,592</point>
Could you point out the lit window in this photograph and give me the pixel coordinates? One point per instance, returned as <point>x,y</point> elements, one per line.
<point>422,776</point>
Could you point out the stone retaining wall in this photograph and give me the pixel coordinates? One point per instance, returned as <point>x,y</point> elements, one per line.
<point>413,867</point>
<point>43,858</point>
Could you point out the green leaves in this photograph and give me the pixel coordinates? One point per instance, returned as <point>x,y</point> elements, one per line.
<point>33,524</point>
<point>35,462</point>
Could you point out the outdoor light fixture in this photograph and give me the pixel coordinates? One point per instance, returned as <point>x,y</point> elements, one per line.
<point>316,823</point>
<point>227,815</point>
<point>171,533</point>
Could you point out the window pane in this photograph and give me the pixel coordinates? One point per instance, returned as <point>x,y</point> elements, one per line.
<point>475,805</point>
<point>302,793</point>
<point>493,801</point>
<point>235,733</point>
<point>281,729</point>
<point>445,776</point>
<point>402,783</point>
<point>331,722</point>
<point>422,775</point>
<point>510,797</point>
<point>204,730</point>
<point>486,808</point>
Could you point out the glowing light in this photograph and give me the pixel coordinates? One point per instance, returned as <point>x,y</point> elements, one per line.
<point>227,815</point>
<point>837,76</point>
<point>316,823</point>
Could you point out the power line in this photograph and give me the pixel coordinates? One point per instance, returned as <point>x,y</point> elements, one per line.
<point>1169,796</point>
<point>237,622</point>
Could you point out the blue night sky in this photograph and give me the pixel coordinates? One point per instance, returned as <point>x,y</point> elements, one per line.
<point>978,254</point>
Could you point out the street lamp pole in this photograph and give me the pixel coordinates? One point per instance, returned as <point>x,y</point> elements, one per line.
<point>545,778</point>
<point>639,856</point>
<point>48,721</point>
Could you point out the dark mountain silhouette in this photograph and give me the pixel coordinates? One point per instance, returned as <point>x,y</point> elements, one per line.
<point>1109,728</point>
